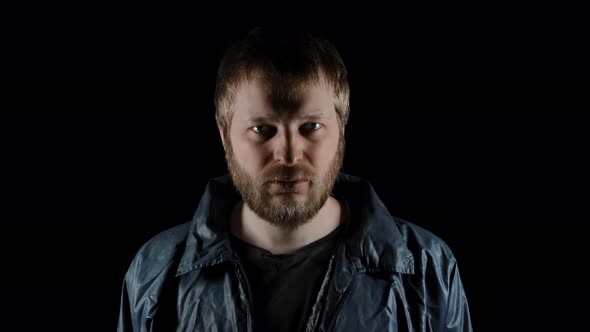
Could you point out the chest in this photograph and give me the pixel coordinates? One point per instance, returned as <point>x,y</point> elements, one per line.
<point>221,300</point>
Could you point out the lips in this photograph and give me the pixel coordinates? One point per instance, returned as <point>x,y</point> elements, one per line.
<point>288,180</point>
<point>288,185</point>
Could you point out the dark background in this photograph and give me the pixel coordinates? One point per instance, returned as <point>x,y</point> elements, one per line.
<point>92,169</point>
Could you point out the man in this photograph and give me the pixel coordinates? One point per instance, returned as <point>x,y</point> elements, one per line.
<point>286,242</point>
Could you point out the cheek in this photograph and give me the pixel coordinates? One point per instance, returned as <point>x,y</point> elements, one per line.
<point>326,152</point>
<point>249,156</point>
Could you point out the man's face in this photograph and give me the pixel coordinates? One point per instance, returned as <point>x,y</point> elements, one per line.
<point>284,162</point>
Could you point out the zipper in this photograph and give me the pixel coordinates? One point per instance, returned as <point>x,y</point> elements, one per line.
<point>358,269</point>
<point>243,280</point>
<point>341,299</point>
<point>320,299</point>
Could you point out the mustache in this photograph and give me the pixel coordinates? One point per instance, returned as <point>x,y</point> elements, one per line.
<point>283,173</point>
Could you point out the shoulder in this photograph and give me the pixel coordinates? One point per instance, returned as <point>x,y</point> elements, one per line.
<point>150,271</point>
<point>159,253</point>
<point>436,275</point>
<point>426,246</point>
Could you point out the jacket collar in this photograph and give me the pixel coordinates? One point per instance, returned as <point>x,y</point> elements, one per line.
<point>371,237</point>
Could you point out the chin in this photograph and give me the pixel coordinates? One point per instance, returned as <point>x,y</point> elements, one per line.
<point>291,197</point>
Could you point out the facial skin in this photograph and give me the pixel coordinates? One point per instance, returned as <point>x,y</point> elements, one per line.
<point>266,144</point>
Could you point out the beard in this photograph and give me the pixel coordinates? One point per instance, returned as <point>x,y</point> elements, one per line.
<point>284,210</point>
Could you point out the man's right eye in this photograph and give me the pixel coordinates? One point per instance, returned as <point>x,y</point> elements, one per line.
<point>262,129</point>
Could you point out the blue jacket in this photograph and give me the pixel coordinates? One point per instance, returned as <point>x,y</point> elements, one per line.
<point>385,275</point>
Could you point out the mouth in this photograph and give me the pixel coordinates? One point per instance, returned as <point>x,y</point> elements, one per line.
<point>288,184</point>
<point>289,181</point>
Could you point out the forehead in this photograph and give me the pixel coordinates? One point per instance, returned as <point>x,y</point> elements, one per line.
<point>258,97</point>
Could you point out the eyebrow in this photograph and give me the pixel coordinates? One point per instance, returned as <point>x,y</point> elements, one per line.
<point>274,117</point>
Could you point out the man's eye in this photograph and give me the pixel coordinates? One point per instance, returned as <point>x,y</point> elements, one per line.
<point>262,129</point>
<point>312,126</point>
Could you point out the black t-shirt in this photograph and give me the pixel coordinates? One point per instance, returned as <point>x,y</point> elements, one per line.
<point>285,287</point>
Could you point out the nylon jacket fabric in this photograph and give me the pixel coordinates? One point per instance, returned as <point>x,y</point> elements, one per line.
<point>386,274</point>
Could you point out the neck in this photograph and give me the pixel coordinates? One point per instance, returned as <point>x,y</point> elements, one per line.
<point>248,226</point>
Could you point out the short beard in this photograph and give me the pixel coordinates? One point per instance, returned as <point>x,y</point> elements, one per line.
<point>288,213</point>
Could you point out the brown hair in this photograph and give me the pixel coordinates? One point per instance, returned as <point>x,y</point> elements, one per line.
<point>285,60</point>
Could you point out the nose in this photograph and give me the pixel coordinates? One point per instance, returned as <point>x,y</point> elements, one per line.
<point>288,149</point>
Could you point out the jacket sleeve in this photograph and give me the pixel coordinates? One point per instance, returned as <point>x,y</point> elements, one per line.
<point>134,315</point>
<point>125,317</point>
<point>456,317</point>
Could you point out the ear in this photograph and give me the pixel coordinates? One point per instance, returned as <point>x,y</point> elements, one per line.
<point>221,133</point>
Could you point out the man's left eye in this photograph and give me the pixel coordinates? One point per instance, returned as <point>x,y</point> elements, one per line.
<point>312,126</point>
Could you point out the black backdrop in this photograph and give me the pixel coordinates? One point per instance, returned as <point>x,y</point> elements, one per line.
<point>93,169</point>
